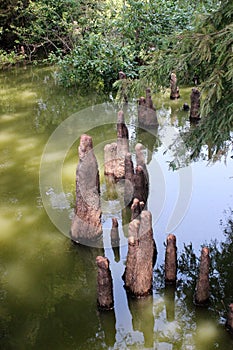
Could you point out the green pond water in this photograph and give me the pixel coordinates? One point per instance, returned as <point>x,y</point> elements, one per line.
<point>48,284</point>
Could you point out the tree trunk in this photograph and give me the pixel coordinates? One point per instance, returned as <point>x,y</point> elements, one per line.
<point>86,226</point>
<point>202,293</point>
<point>140,259</point>
<point>104,284</point>
<point>171,260</point>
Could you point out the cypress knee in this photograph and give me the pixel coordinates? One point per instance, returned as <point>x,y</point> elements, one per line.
<point>147,117</point>
<point>86,225</point>
<point>136,208</point>
<point>132,254</point>
<point>129,175</point>
<point>171,260</point>
<point>145,257</point>
<point>140,259</point>
<point>104,284</point>
<point>110,156</point>
<point>140,161</point>
<point>175,93</point>
<point>195,99</point>
<point>141,185</point>
<point>202,293</point>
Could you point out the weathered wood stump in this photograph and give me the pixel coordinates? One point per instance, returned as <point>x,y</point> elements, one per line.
<point>133,242</point>
<point>141,187</point>
<point>171,260</point>
<point>86,225</point>
<point>141,252</point>
<point>136,208</point>
<point>175,93</point>
<point>110,156</point>
<point>129,180</point>
<point>147,117</point>
<point>229,322</point>
<point>136,182</point>
<point>114,153</point>
<point>140,161</point>
<point>202,292</point>
<point>104,284</point>
<point>140,158</point>
<point>195,100</point>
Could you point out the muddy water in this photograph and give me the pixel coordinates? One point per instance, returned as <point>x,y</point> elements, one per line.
<point>48,285</point>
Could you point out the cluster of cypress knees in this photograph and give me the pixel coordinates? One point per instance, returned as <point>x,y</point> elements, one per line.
<point>86,227</point>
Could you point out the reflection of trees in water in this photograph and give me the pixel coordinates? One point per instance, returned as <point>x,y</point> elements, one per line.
<point>221,281</point>
<point>222,267</point>
<point>177,320</point>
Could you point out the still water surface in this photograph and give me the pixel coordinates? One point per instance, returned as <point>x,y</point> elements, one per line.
<point>48,285</point>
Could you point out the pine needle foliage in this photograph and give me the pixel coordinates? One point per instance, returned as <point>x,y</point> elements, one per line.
<point>206,52</point>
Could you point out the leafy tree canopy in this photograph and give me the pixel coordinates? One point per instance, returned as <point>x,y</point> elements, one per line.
<point>204,51</point>
<point>92,41</point>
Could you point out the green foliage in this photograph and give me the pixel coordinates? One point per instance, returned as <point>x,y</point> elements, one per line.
<point>95,63</point>
<point>45,26</point>
<point>121,37</point>
<point>144,23</point>
<point>205,51</point>
<point>9,59</point>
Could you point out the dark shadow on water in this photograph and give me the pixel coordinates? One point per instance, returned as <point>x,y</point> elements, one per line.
<point>108,325</point>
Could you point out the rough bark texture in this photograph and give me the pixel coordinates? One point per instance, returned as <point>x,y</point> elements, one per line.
<point>140,158</point>
<point>133,242</point>
<point>104,284</point>
<point>195,99</point>
<point>202,292</point>
<point>129,175</point>
<point>147,117</point>
<point>141,252</point>
<point>110,156</point>
<point>171,260</point>
<point>175,93</point>
<point>136,208</point>
<point>86,225</point>
<point>141,185</point>
<point>114,154</point>
<point>229,322</point>
<point>140,161</point>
